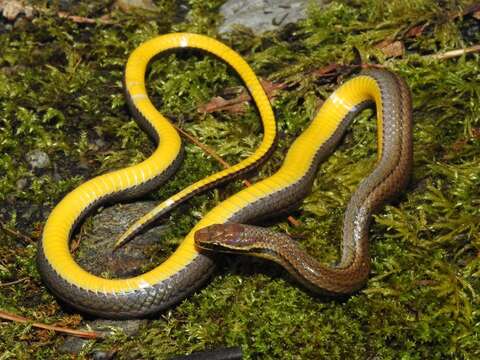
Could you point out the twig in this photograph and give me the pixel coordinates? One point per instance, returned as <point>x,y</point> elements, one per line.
<point>208,150</point>
<point>293,221</point>
<point>235,105</point>
<point>455,53</point>
<point>225,164</point>
<point>13,282</point>
<point>15,233</point>
<point>78,333</point>
<point>202,146</point>
<point>84,20</point>
<point>76,242</point>
<point>218,103</point>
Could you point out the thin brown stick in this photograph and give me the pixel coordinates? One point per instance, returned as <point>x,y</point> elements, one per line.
<point>78,333</point>
<point>235,105</point>
<point>16,233</point>
<point>455,53</point>
<point>84,20</point>
<point>13,282</point>
<point>207,149</point>
<point>225,164</point>
<point>202,146</point>
<point>76,242</point>
<point>293,221</point>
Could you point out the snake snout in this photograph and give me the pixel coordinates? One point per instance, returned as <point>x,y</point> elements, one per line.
<point>202,235</point>
<point>208,234</point>
<point>218,234</point>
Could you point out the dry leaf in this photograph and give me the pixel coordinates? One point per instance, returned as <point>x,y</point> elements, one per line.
<point>416,31</point>
<point>105,19</point>
<point>238,104</point>
<point>271,88</point>
<point>326,70</point>
<point>476,133</point>
<point>391,48</point>
<point>218,103</point>
<point>474,10</point>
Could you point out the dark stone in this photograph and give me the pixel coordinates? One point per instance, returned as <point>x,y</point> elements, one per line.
<point>129,327</point>
<point>262,15</point>
<point>66,5</point>
<point>96,253</point>
<point>72,345</point>
<point>102,355</point>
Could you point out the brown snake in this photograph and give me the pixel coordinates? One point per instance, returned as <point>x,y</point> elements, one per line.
<point>294,180</point>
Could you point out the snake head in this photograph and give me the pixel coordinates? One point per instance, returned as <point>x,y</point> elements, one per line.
<point>222,237</point>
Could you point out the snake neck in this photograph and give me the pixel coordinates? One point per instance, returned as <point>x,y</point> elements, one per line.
<point>282,249</point>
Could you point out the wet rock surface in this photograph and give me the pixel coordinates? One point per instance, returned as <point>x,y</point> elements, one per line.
<point>102,355</point>
<point>96,253</point>
<point>263,15</point>
<point>96,256</point>
<point>128,327</point>
<point>72,345</point>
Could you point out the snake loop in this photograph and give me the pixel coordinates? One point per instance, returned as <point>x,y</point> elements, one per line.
<point>186,269</point>
<point>391,97</point>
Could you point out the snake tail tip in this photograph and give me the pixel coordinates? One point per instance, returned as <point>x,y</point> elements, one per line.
<point>118,244</point>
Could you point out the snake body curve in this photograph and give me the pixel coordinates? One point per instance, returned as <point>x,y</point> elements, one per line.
<point>186,269</point>
<point>390,175</point>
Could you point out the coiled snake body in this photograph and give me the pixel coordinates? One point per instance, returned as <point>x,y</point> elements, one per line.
<point>390,175</point>
<point>187,268</point>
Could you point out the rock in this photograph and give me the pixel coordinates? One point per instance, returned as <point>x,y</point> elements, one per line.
<point>95,253</point>
<point>72,345</point>
<point>263,15</point>
<point>38,159</point>
<point>129,5</point>
<point>129,327</point>
<point>30,211</point>
<point>102,355</point>
<point>66,5</point>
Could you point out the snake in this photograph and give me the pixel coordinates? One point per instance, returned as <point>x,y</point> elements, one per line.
<point>190,265</point>
<point>186,269</point>
<point>392,100</point>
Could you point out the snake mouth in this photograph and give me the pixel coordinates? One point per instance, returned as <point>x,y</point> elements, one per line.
<point>209,247</point>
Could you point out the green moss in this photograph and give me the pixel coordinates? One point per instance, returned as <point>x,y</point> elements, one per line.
<point>61,93</point>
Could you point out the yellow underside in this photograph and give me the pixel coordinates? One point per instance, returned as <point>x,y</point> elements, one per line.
<point>298,160</point>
